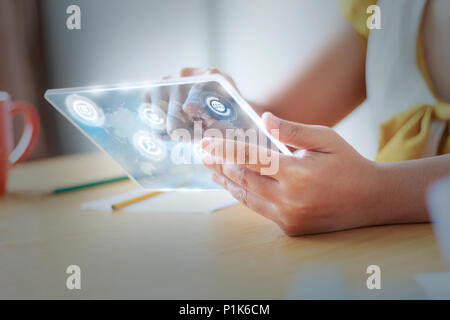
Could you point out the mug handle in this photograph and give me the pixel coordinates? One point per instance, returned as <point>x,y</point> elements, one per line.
<point>30,131</point>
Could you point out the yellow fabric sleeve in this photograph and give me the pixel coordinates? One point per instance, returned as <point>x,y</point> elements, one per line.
<point>404,136</point>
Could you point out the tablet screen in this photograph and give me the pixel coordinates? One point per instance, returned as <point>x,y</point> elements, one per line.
<point>153,131</point>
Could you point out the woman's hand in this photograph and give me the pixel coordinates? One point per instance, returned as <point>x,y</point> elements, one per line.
<point>191,72</point>
<point>188,104</point>
<point>328,187</point>
<point>178,106</point>
<point>167,103</point>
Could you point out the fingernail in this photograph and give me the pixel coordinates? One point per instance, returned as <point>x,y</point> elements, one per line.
<point>271,121</point>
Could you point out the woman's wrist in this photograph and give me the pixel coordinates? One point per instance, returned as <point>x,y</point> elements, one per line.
<point>399,196</point>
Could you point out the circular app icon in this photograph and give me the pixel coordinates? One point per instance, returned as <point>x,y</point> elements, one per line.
<point>218,106</point>
<point>85,110</point>
<point>149,145</point>
<point>153,115</point>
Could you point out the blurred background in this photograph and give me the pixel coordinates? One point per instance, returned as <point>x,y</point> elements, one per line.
<point>261,44</point>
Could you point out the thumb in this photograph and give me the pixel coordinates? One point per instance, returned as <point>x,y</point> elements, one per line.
<point>303,136</point>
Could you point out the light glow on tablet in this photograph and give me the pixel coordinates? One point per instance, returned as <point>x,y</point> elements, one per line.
<point>148,168</point>
<point>85,110</point>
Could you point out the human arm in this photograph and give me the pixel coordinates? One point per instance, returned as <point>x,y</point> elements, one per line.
<point>330,186</point>
<point>324,93</point>
<point>328,90</point>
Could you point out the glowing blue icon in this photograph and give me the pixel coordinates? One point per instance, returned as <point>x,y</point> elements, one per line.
<point>149,145</point>
<point>85,110</point>
<point>153,115</point>
<point>217,107</point>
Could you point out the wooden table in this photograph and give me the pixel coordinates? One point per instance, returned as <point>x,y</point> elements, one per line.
<point>231,254</point>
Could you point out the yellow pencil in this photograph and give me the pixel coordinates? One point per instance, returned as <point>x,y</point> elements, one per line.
<point>119,205</point>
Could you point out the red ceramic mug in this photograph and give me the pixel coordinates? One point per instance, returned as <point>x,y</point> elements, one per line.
<point>9,156</point>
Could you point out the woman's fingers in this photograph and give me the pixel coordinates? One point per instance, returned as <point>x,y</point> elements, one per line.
<point>261,206</point>
<point>254,157</point>
<point>263,186</point>
<point>158,96</point>
<point>176,118</point>
<point>309,137</point>
<point>190,72</point>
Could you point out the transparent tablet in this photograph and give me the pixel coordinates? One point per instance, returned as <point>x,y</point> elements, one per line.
<point>153,130</point>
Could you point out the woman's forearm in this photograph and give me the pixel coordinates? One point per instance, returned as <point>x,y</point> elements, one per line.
<point>328,90</point>
<point>400,195</point>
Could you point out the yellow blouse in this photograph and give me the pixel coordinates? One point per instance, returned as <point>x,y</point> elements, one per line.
<point>404,136</point>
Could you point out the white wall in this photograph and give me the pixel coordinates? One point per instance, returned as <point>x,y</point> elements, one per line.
<point>261,43</point>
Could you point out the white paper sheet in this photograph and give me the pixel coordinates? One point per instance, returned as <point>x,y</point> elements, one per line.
<point>168,202</point>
